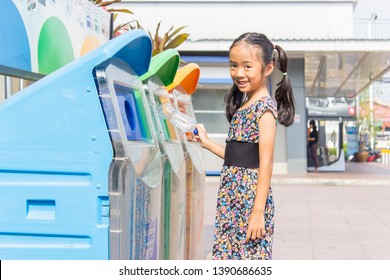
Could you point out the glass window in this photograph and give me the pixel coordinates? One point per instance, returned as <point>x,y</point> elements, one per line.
<point>209,107</point>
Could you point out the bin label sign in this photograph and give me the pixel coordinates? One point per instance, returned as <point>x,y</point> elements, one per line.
<point>352,140</point>
<point>43,35</point>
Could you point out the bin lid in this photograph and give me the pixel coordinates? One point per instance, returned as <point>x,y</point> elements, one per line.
<point>187,77</point>
<point>164,65</point>
<point>134,47</point>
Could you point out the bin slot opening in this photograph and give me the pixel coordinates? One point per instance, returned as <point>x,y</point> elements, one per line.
<point>128,108</point>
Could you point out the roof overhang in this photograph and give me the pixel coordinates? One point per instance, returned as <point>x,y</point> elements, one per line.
<point>340,68</point>
<point>333,68</point>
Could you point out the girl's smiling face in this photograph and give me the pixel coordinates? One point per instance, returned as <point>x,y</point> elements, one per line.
<point>247,68</point>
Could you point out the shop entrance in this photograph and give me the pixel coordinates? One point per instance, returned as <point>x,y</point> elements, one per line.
<point>330,117</point>
<point>330,152</point>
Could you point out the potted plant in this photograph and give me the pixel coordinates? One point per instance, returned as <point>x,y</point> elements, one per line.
<point>363,124</point>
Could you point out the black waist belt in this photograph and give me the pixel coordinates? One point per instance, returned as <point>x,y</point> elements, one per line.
<point>242,154</point>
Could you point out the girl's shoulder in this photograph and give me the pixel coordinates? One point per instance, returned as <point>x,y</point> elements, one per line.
<point>266,103</point>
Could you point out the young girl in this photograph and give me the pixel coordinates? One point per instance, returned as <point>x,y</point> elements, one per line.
<point>244,223</point>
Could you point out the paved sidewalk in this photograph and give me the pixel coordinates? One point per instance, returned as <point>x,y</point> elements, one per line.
<point>324,216</point>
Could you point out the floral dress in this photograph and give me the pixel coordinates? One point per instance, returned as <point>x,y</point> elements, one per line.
<point>237,192</point>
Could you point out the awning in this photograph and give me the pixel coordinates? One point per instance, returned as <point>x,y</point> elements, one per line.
<point>333,67</point>
<point>344,68</point>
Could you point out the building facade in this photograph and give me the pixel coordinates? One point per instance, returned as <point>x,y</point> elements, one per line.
<point>325,60</point>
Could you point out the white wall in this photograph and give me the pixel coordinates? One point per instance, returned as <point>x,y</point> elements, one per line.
<point>210,20</point>
<point>219,72</point>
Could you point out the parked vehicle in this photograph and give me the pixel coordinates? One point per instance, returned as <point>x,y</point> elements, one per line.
<point>373,155</point>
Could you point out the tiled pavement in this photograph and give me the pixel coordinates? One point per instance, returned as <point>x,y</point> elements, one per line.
<point>324,216</point>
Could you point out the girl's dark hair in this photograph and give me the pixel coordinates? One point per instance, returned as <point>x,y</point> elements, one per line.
<point>283,94</point>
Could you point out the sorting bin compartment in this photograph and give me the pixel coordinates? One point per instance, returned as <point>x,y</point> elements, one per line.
<point>182,102</point>
<point>195,180</point>
<point>170,143</point>
<point>136,173</point>
<point>174,172</point>
<point>130,113</point>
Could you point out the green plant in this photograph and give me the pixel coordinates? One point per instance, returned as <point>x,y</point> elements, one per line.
<point>345,148</point>
<point>364,121</point>
<point>102,3</point>
<point>363,124</point>
<point>333,151</point>
<point>170,40</point>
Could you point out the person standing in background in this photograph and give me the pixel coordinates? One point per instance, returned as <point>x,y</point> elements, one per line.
<point>313,144</point>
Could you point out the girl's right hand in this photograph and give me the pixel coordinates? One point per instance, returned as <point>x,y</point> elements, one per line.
<point>204,141</point>
<point>202,137</point>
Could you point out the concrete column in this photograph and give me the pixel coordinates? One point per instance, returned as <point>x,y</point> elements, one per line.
<point>296,136</point>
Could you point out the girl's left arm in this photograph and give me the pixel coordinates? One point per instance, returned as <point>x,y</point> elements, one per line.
<point>267,131</point>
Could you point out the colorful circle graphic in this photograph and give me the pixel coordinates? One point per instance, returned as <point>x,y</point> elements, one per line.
<point>90,43</point>
<point>14,47</point>
<point>54,46</point>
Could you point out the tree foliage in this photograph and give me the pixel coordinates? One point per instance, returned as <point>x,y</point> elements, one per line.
<point>170,40</point>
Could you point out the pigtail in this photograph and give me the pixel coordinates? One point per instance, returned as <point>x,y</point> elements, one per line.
<point>284,92</point>
<point>233,101</point>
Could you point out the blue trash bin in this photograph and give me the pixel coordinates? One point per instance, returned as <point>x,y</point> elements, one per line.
<point>71,169</point>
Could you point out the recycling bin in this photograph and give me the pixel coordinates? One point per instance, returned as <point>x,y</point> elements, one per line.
<point>184,85</point>
<point>136,170</point>
<point>161,72</point>
<point>81,173</point>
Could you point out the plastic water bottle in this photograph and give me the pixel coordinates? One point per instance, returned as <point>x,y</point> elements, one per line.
<point>178,119</point>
